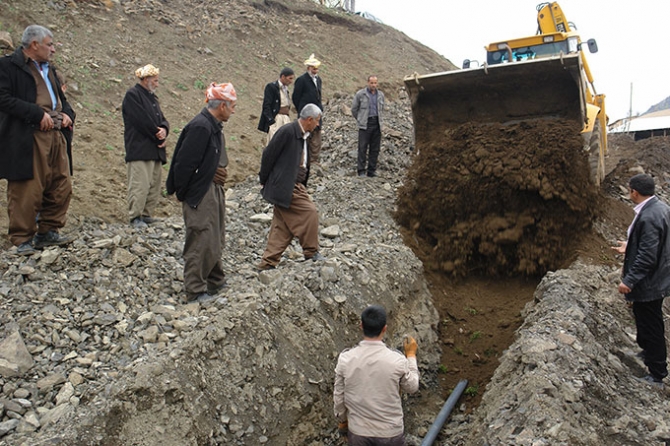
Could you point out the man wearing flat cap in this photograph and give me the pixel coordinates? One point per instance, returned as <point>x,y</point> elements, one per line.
<point>307,90</point>
<point>145,134</point>
<point>197,176</point>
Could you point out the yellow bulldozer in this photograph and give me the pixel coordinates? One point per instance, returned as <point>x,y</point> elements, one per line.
<point>508,155</point>
<point>543,76</point>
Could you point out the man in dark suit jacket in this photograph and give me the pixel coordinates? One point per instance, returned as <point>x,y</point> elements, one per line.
<point>197,175</point>
<point>33,112</point>
<point>645,279</point>
<point>308,91</point>
<point>283,177</point>
<point>276,104</point>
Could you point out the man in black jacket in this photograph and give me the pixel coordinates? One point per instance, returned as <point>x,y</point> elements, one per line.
<point>645,279</point>
<point>308,91</point>
<point>276,104</point>
<point>197,175</point>
<point>33,150</point>
<point>145,134</point>
<point>283,177</point>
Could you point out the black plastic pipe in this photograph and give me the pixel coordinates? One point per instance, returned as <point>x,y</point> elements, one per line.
<point>444,413</point>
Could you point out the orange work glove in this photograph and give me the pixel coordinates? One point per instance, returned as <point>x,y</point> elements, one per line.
<point>409,345</point>
<point>343,428</point>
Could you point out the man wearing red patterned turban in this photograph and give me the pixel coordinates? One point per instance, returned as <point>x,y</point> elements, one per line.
<point>197,175</point>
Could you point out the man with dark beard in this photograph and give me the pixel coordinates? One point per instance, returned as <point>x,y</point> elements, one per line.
<point>645,278</point>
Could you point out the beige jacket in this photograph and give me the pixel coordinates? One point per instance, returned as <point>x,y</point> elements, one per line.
<point>368,380</point>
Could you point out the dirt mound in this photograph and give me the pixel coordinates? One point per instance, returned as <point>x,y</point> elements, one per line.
<point>499,199</point>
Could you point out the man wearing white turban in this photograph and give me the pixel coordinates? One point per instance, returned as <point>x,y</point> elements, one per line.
<point>145,134</point>
<point>308,91</point>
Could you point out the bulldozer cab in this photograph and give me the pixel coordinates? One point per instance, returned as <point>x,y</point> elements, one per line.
<point>503,53</point>
<point>536,47</point>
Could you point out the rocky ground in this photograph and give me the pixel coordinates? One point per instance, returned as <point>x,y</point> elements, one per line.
<point>97,349</point>
<point>103,347</point>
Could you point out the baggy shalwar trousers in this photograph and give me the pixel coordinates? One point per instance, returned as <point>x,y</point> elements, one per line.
<point>299,220</point>
<point>204,243</point>
<point>144,187</point>
<point>47,194</point>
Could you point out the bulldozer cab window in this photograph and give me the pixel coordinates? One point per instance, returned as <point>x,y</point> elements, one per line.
<point>527,52</point>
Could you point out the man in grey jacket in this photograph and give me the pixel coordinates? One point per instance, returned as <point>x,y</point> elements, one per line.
<point>645,279</point>
<point>368,108</point>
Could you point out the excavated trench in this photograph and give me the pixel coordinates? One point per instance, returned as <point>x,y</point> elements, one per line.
<point>489,209</point>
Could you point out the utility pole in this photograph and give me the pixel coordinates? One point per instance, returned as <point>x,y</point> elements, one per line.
<point>630,110</point>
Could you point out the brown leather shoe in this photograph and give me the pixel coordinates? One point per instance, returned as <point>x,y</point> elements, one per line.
<point>264,266</point>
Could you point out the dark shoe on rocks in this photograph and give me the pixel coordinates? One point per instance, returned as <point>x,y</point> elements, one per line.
<point>202,298</point>
<point>205,298</point>
<point>372,174</point>
<point>640,355</point>
<point>138,223</point>
<point>264,266</point>
<point>361,174</point>
<point>216,290</point>
<point>25,249</point>
<point>317,257</point>
<point>50,238</point>
<point>651,381</point>
<point>149,220</point>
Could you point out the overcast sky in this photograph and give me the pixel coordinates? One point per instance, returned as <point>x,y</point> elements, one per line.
<point>631,37</point>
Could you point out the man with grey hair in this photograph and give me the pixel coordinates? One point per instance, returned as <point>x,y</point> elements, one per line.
<point>197,176</point>
<point>645,277</point>
<point>33,153</point>
<point>283,177</point>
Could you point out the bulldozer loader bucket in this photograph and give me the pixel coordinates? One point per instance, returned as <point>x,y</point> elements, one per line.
<point>512,92</point>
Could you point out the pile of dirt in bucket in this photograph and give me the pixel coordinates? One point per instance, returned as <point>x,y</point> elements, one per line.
<point>499,199</point>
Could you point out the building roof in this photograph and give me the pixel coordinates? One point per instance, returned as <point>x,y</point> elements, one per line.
<point>653,121</point>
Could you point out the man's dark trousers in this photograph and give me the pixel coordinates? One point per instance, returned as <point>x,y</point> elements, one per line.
<point>651,337</point>
<point>372,138</point>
